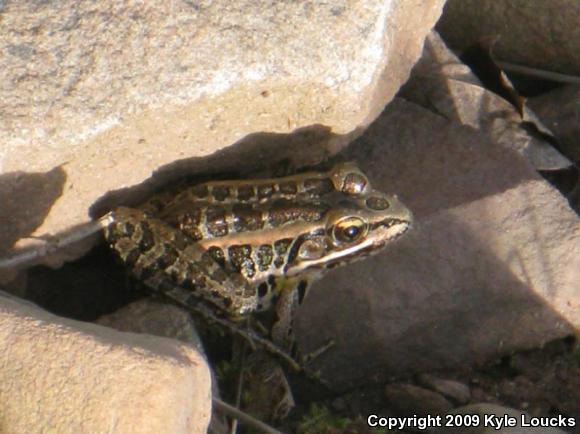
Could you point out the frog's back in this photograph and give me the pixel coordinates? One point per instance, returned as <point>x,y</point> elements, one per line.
<point>264,232</point>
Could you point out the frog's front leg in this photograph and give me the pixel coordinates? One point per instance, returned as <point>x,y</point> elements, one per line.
<point>292,295</point>
<point>171,263</point>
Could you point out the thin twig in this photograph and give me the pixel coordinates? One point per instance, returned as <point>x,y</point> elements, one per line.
<point>241,362</point>
<point>244,417</point>
<point>50,246</point>
<point>183,298</point>
<point>540,73</point>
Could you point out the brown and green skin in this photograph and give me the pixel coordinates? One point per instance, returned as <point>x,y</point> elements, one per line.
<point>248,246</point>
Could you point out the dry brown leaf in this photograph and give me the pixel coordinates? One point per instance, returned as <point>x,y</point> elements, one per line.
<point>539,33</point>
<point>448,87</point>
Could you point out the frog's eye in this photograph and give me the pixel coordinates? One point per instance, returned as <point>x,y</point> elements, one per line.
<point>349,230</point>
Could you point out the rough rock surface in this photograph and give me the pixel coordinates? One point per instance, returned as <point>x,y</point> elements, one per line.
<point>441,83</point>
<point>158,318</point>
<point>407,400</point>
<point>65,376</point>
<point>492,265</point>
<point>558,109</point>
<point>95,97</point>
<point>454,390</point>
<point>530,32</point>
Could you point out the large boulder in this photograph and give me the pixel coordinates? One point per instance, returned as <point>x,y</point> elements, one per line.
<point>60,375</point>
<point>492,265</point>
<point>98,96</point>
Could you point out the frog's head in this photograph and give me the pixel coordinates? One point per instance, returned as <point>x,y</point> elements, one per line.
<point>355,226</point>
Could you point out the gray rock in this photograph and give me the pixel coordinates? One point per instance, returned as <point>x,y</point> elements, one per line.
<point>97,97</point>
<point>519,31</point>
<point>69,376</point>
<point>408,400</point>
<point>454,390</point>
<point>156,318</point>
<point>444,84</point>
<point>557,109</point>
<point>492,265</point>
<point>161,318</point>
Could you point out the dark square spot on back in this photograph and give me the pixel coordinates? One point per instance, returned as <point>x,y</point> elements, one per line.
<point>239,255</point>
<point>246,218</point>
<point>188,222</point>
<point>281,247</point>
<point>283,211</point>
<point>221,192</point>
<point>169,256</point>
<point>216,221</point>
<point>265,257</point>
<point>288,187</point>
<point>217,254</point>
<point>245,192</point>
<point>265,191</point>
<point>147,240</point>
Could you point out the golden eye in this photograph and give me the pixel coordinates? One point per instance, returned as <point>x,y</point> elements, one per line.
<point>349,230</point>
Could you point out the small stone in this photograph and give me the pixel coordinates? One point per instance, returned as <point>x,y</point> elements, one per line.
<point>409,400</point>
<point>454,390</point>
<point>154,318</point>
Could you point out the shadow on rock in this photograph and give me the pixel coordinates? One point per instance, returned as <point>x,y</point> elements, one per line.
<point>26,199</point>
<point>439,301</point>
<point>491,266</point>
<point>257,154</point>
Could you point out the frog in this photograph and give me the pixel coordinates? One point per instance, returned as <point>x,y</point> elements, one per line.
<point>229,249</point>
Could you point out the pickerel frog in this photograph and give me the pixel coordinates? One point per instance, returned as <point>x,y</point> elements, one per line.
<point>248,246</point>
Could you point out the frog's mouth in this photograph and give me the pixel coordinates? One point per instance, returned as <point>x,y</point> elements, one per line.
<point>388,232</point>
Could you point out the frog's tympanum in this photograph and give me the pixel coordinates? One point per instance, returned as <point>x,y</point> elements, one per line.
<point>247,246</point>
